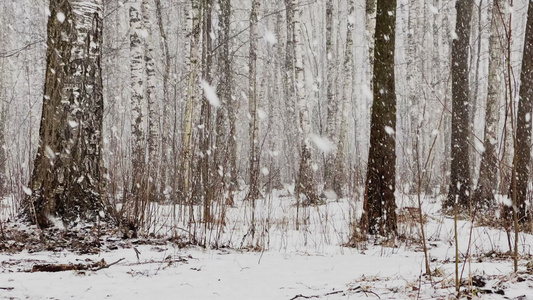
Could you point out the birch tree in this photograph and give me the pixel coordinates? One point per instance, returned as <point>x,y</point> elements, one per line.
<point>68,180</point>
<point>379,208</point>
<point>459,189</point>
<point>414,84</point>
<point>254,158</point>
<point>165,132</point>
<point>289,90</point>
<point>340,170</point>
<point>225,159</point>
<point>370,10</point>
<point>138,118</point>
<point>205,114</point>
<point>153,107</point>
<point>331,121</point>
<point>191,99</point>
<point>305,184</point>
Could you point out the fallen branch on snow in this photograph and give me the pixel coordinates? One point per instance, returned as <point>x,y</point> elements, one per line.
<point>73,267</point>
<point>355,289</point>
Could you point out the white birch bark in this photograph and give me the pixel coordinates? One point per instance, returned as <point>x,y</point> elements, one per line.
<point>253,100</point>
<point>192,95</point>
<point>153,107</point>
<point>332,102</point>
<point>370,32</point>
<point>165,130</point>
<point>291,143</point>
<point>138,87</point>
<point>414,84</point>
<point>306,185</point>
<point>340,170</point>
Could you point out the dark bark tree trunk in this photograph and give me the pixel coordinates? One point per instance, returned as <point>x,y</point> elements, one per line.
<point>379,215</point>
<point>67,180</point>
<point>460,181</point>
<point>521,162</point>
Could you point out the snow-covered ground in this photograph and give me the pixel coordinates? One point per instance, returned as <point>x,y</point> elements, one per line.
<point>280,261</point>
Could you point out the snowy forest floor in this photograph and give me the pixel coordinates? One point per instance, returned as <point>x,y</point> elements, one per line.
<point>278,262</point>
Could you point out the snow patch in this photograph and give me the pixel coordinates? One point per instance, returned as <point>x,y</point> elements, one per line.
<point>27,190</point>
<point>261,114</point>
<point>323,143</point>
<point>270,37</point>
<point>330,194</point>
<point>49,152</point>
<point>265,171</point>
<point>72,123</point>
<point>60,17</point>
<point>210,94</point>
<point>389,130</point>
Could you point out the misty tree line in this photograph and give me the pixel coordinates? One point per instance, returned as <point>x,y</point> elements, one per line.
<point>192,102</point>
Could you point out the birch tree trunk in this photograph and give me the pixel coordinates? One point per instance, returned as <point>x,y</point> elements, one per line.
<point>414,85</point>
<point>290,144</point>
<point>460,180</point>
<point>191,100</point>
<point>205,114</point>
<point>138,118</point>
<point>253,100</point>
<point>165,132</point>
<point>3,120</point>
<point>507,147</point>
<point>329,168</point>
<point>340,170</point>
<point>225,159</point>
<point>153,138</point>
<point>305,184</point>
<point>370,32</point>
<point>485,190</point>
<point>379,208</point>
<point>67,180</point>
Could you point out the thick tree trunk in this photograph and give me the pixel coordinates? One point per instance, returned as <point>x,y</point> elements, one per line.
<point>522,154</point>
<point>460,181</point>
<point>253,100</point>
<point>486,188</point>
<point>305,185</point>
<point>379,214</point>
<point>67,180</point>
